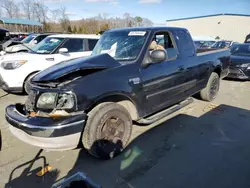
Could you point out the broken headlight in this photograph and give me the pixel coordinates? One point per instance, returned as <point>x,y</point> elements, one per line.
<point>51,100</point>
<point>46,101</point>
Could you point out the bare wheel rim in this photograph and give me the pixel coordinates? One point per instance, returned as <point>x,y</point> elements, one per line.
<point>112,130</point>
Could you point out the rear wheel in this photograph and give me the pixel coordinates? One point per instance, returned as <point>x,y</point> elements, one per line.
<point>211,90</point>
<point>107,131</point>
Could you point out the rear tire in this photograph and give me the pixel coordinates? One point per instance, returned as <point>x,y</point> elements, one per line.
<point>211,90</point>
<point>107,131</point>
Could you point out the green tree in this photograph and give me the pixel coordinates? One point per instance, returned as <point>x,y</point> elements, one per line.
<point>138,19</point>
<point>74,29</point>
<point>85,30</point>
<point>80,30</point>
<point>105,27</point>
<point>69,29</point>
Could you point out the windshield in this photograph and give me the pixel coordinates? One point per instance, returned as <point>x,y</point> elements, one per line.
<point>124,45</point>
<point>240,50</point>
<point>47,45</point>
<point>28,39</point>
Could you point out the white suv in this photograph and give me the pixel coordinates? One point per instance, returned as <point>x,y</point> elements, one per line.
<point>17,69</point>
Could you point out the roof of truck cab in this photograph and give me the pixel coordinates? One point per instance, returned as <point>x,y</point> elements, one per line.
<point>146,29</point>
<point>76,36</point>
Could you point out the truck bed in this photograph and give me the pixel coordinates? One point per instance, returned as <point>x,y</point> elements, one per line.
<point>203,51</point>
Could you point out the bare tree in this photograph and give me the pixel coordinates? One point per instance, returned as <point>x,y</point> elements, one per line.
<point>39,11</point>
<point>64,20</point>
<point>11,8</point>
<point>27,8</point>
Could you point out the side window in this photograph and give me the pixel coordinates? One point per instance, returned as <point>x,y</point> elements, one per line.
<point>40,38</point>
<point>163,41</point>
<point>185,43</point>
<point>74,45</point>
<point>92,43</point>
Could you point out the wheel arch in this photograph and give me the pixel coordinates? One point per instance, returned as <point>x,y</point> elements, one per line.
<point>121,99</point>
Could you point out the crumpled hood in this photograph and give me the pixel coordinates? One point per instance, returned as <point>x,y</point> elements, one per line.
<point>240,59</point>
<point>102,61</point>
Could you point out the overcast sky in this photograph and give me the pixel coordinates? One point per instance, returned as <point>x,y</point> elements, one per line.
<point>156,10</point>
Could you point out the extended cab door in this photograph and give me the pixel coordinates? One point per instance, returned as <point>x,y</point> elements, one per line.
<point>163,83</point>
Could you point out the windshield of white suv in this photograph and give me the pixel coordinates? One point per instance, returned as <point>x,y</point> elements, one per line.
<point>47,45</point>
<point>28,39</point>
<point>124,45</point>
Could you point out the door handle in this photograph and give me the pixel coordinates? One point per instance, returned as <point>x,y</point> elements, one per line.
<point>181,69</point>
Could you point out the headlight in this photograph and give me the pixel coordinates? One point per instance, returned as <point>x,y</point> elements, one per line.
<point>53,100</point>
<point>8,65</point>
<point>46,101</point>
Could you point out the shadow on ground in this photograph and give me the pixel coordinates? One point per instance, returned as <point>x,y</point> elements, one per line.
<point>212,150</point>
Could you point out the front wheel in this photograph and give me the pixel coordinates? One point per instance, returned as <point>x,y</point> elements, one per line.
<point>211,90</point>
<point>26,87</point>
<point>107,131</point>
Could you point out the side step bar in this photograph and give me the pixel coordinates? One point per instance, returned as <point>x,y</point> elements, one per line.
<point>166,112</point>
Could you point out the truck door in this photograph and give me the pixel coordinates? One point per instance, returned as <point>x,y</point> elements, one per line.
<point>163,82</point>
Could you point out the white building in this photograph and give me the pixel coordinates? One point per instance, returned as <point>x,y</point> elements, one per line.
<point>225,26</point>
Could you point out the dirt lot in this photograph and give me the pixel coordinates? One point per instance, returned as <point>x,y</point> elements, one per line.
<point>204,145</point>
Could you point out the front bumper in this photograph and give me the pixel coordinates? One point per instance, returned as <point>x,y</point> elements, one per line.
<point>44,132</point>
<point>239,73</point>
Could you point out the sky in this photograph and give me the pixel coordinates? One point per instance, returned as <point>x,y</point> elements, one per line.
<point>157,11</point>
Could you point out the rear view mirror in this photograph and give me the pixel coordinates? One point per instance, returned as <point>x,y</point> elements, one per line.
<point>63,50</point>
<point>158,56</point>
<point>35,42</point>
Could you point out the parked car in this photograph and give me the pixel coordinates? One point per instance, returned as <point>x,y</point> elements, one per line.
<point>17,69</point>
<point>4,36</point>
<point>128,77</point>
<point>203,44</point>
<point>240,65</point>
<point>27,43</point>
<point>223,44</point>
<point>247,39</point>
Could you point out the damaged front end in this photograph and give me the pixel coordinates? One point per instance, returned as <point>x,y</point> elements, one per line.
<point>50,117</point>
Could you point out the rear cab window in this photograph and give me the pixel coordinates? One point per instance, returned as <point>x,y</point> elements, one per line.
<point>186,44</point>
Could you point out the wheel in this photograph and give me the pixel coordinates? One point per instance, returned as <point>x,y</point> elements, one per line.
<point>26,87</point>
<point>210,92</point>
<point>107,131</point>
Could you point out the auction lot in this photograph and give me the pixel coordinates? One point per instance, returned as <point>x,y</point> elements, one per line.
<point>203,145</point>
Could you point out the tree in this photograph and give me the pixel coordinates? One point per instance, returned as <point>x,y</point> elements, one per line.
<point>64,20</point>
<point>138,19</point>
<point>39,11</point>
<point>105,27</point>
<point>27,8</point>
<point>80,30</point>
<point>11,8</point>
<point>69,29</point>
<point>74,29</point>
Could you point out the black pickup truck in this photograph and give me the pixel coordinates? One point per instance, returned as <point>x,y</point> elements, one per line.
<point>134,75</point>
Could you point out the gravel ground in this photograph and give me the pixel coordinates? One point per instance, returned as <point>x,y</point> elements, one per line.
<point>203,145</point>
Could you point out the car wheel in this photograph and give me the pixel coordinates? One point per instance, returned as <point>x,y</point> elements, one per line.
<point>211,90</point>
<point>26,87</point>
<point>107,131</point>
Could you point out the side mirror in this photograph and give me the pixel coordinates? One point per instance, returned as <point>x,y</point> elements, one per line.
<point>34,41</point>
<point>63,51</point>
<point>158,56</point>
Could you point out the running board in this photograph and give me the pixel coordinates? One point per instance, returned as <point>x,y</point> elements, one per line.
<point>166,112</point>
